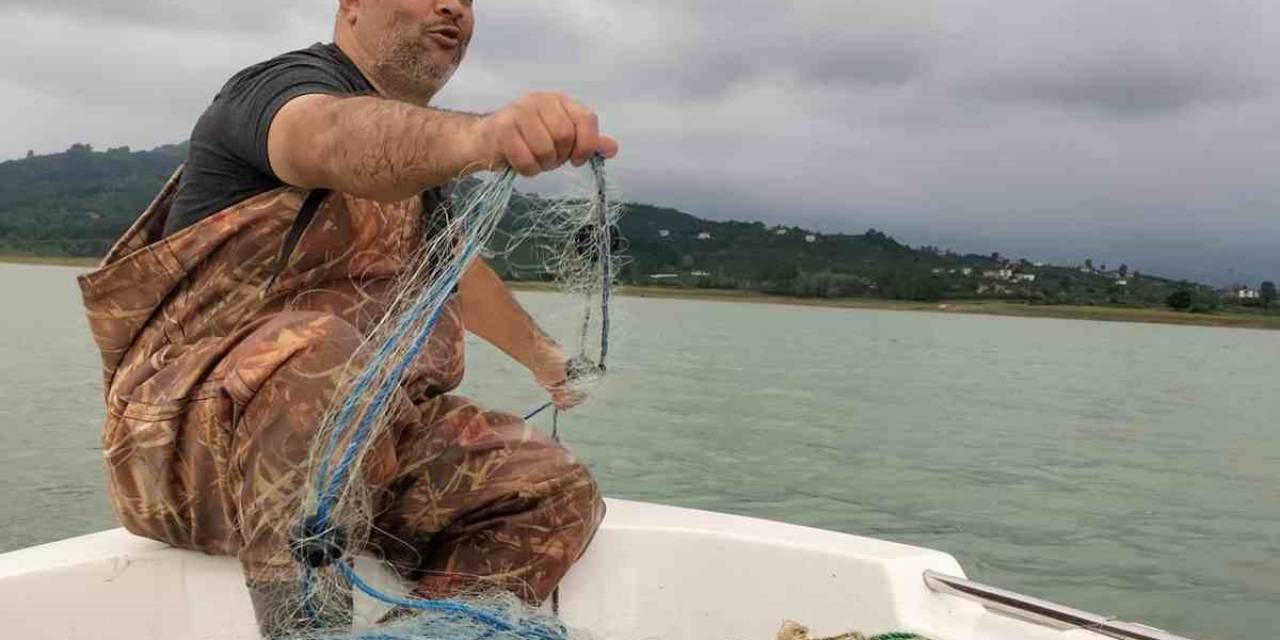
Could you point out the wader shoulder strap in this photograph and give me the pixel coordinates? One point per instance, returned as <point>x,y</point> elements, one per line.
<point>305,215</point>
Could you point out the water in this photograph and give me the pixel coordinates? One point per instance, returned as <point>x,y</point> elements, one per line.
<point>1126,469</point>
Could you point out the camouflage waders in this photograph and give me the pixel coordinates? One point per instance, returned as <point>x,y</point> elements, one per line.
<point>214,392</point>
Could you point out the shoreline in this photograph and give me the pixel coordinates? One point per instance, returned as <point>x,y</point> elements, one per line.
<point>48,261</point>
<point>1000,308</point>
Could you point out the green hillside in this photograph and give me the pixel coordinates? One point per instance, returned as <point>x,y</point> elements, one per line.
<point>77,202</point>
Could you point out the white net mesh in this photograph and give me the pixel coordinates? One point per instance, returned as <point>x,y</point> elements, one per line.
<point>572,241</point>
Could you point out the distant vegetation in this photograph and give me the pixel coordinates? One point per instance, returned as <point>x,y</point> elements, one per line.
<point>76,203</point>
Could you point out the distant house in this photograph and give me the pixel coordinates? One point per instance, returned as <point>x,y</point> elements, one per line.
<point>704,236</point>
<point>664,276</point>
<point>780,232</point>
<point>967,271</point>
<point>663,233</point>
<point>1122,283</point>
<point>938,271</point>
<point>700,274</point>
<point>999,274</point>
<point>1245,293</point>
<point>1027,277</point>
<point>811,238</point>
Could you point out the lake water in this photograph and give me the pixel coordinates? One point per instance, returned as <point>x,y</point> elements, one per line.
<point>1121,468</point>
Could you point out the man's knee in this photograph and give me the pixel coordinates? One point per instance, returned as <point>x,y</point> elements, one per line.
<point>569,499</point>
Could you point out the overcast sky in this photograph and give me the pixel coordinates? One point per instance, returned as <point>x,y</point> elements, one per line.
<point>1137,131</point>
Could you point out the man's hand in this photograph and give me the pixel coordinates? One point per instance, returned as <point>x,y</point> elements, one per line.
<point>551,369</point>
<point>492,313</point>
<point>542,131</point>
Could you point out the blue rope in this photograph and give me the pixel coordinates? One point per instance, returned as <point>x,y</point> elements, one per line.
<point>361,386</point>
<point>606,250</point>
<point>537,412</point>
<point>309,592</point>
<point>331,494</point>
<point>531,629</point>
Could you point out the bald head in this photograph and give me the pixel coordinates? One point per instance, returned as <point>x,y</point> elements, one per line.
<point>408,48</point>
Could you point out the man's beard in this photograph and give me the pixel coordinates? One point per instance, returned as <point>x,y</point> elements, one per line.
<point>406,67</point>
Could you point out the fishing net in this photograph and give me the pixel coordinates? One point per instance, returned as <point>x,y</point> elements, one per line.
<point>573,241</point>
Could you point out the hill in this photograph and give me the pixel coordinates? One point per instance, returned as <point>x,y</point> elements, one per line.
<point>77,202</point>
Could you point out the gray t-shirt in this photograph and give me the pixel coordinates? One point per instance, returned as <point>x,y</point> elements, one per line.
<point>228,162</point>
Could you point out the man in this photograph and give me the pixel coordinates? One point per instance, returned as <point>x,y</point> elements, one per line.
<point>226,321</point>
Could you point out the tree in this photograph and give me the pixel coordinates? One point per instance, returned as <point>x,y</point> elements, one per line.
<point>1180,300</point>
<point>1267,294</point>
<point>1088,263</point>
<point>1124,271</point>
<point>31,153</point>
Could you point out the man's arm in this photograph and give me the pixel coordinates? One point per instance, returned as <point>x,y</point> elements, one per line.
<point>388,150</point>
<point>492,313</point>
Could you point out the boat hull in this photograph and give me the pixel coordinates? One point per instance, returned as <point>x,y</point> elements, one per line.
<point>652,572</point>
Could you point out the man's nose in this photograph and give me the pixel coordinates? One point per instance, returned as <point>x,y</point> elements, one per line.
<point>453,9</point>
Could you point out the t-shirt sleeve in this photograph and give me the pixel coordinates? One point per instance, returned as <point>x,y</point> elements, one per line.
<point>250,101</point>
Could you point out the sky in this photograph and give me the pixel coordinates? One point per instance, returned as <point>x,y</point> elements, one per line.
<point>1142,132</point>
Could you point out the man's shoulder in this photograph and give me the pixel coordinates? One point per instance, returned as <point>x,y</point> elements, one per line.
<point>319,58</point>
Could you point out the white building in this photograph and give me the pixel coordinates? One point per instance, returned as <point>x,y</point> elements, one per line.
<point>700,274</point>
<point>780,232</point>
<point>663,233</point>
<point>704,236</point>
<point>811,239</point>
<point>1245,293</point>
<point>1027,277</point>
<point>664,276</point>
<point>1001,274</point>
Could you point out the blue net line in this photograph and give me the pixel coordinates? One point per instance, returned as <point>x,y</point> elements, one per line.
<point>529,629</point>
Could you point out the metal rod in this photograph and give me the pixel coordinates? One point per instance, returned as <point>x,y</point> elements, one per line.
<point>1042,611</point>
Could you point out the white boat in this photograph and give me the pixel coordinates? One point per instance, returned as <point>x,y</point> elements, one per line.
<point>653,572</point>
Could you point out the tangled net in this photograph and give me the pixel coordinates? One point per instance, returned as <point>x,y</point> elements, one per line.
<point>574,240</point>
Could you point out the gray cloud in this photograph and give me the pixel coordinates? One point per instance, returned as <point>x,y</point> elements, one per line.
<point>1134,131</point>
<point>1125,57</point>
<point>183,15</point>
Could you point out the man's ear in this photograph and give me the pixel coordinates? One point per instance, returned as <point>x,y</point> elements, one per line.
<point>348,10</point>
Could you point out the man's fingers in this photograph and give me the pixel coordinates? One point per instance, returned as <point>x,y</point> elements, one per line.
<point>538,139</point>
<point>587,127</point>
<point>565,399</point>
<point>562,128</point>
<point>519,156</point>
<point>608,147</point>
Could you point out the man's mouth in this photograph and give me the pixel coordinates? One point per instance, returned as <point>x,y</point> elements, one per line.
<point>448,37</point>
